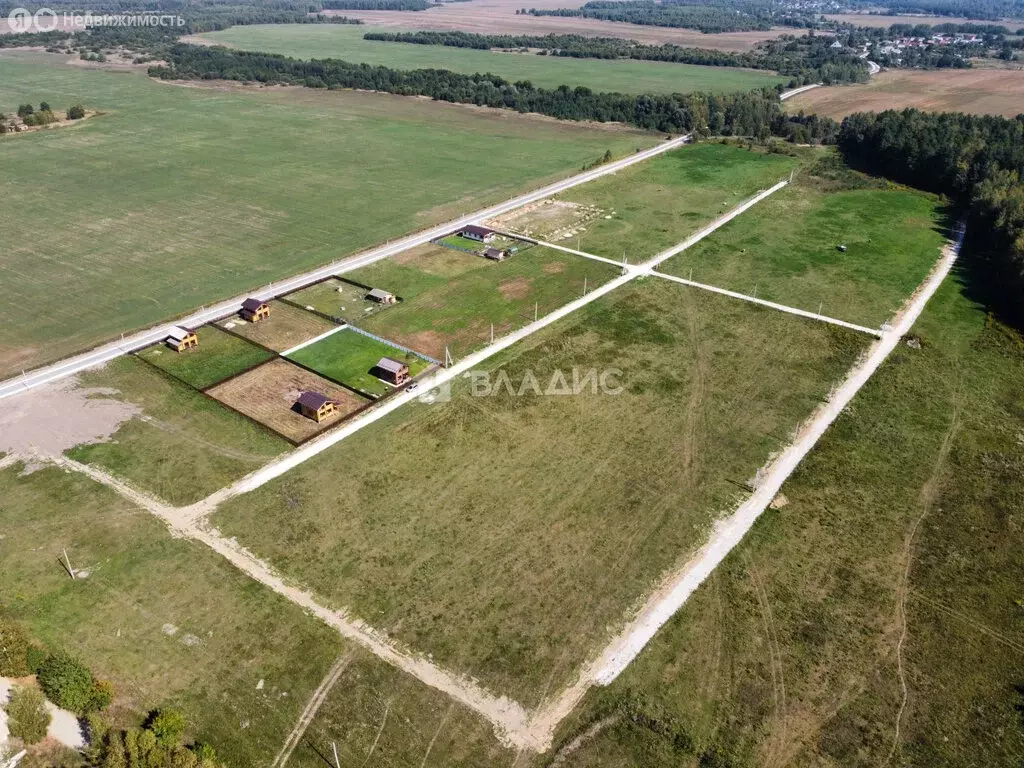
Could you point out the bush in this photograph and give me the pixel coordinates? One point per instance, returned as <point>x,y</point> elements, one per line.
<point>67,682</point>
<point>168,725</point>
<point>14,649</point>
<point>76,112</point>
<point>27,717</point>
<point>25,110</point>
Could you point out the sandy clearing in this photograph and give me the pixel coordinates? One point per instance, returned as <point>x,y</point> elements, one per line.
<point>64,725</point>
<point>59,416</point>
<point>870,20</point>
<point>981,91</point>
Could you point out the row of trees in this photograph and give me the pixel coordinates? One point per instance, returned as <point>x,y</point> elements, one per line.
<point>159,743</point>
<point>806,59</point>
<point>663,14</point>
<point>377,5</point>
<point>976,160</point>
<point>753,113</point>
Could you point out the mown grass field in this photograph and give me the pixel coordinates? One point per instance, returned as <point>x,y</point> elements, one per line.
<point>505,535</point>
<point>337,299</point>
<point>167,621</point>
<point>788,653</point>
<point>328,41</point>
<point>184,446</point>
<point>659,203</point>
<point>451,298</point>
<point>785,248</point>
<point>218,356</point>
<point>177,196</point>
<point>349,357</point>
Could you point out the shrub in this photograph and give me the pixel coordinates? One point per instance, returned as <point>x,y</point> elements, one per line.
<point>168,725</point>
<point>67,682</point>
<point>25,110</point>
<point>44,107</point>
<point>14,649</point>
<point>76,112</point>
<point>27,717</point>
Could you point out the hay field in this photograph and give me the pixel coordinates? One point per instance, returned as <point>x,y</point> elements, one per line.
<point>505,534</point>
<point>785,248</point>
<point>178,196</point>
<point>286,327</point>
<point>268,394</point>
<point>981,91</point>
<point>169,622</point>
<point>336,41</point>
<point>218,356</point>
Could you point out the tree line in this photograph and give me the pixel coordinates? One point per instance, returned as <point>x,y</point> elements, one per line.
<point>806,60</point>
<point>756,113</point>
<point>978,161</point>
<point>377,5</point>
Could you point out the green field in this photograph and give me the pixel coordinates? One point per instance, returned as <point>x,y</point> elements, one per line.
<point>788,654</point>
<point>349,356</point>
<point>218,356</point>
<point>657,204</point>
<point>451,298</point>
<point>329,41</point>
<point>505,535</point>
<point>184,446</point>
<point>338,299</point>
<point>178,196</point>
<point>167,621</point>
<point>786,247</point>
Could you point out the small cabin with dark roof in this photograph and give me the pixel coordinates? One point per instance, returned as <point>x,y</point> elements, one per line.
<point>392,371</point>
<point>381,296</point>
<point>480,234</point>
<point>495,254</point>
<point>315,406</point>
<point>255,310</point>
<point>180,339</point>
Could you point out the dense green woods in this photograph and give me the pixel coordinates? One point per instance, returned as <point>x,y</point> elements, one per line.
<point>754,113</point>
<point>806,59</point>
<point>978,161</point>
<point>707,16</point>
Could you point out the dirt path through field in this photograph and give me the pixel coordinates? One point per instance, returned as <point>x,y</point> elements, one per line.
<point>312,707</point>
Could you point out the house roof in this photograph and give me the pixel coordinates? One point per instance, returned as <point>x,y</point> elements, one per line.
<point>314,400</point>
<point>473,229</point>
<point>391,365</point>
<point>178,333</point>
<point>493,252</point>
<point>252,304</point>
<point>379,293</point>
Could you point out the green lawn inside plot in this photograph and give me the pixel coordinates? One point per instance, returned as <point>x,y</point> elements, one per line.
<point>451,299</point>
<point>350,358</point>
<point>338,299</point>
<point>182,446</point>
<point>787,248</point>
<point>329,41</point>
<point>508,535</point>
<point>168,621</point>
<point>218,356</point>
<point>655,205</point>
<point>180,196</point>
<point>929,452</point>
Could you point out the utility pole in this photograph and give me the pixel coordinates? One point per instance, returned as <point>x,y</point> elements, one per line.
<point>584,285</point>
<point>337,762</point>
<point>536,308</point>
<point>492,333</point>
<point>754,296</point>
<point>820,306</point>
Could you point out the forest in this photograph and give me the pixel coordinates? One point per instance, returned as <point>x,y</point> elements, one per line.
<point>376,5</point>
<point>706,16</point>
<point>977,161</point>
<point>806,59</point>
<point>755,113</point>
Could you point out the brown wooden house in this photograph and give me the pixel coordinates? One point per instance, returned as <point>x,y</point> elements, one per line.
<point>180,339</point>
<point>392,371</point>
<point>315,406</point>
<point>255,310</point>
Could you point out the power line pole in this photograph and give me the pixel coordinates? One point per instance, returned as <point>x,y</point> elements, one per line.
<point>71,571</point>
<point>337,762</point>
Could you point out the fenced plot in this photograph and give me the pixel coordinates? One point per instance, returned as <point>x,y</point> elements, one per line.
<point>452,299</point>
<point>286,327</point>
<point>218,356</point>
<point>268,394</point>
<point>340,299</point>
<point>351,358</point>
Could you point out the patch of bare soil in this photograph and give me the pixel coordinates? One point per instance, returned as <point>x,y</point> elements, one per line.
<point>553,267</point>
<point>978,90</point>
<point>55,417</point>
<point>548,219</point>
<point>516,289</point>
